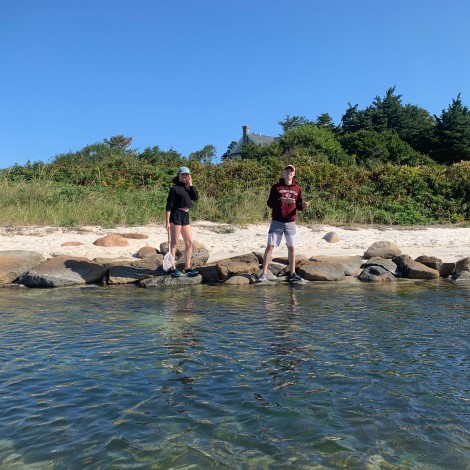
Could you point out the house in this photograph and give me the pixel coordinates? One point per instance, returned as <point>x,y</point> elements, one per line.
<point>248,138</point>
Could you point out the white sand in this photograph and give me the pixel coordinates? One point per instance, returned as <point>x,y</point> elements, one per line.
<point>447,243</point>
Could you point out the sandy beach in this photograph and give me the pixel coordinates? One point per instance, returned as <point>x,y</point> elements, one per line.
<point>222,240</point>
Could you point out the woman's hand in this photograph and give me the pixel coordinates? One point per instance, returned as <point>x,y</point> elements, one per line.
<point>189,180</point>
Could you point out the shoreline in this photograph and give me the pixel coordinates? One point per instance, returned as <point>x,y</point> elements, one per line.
<point>449,243</point>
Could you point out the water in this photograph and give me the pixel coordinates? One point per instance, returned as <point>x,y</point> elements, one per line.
<point>342,375</point>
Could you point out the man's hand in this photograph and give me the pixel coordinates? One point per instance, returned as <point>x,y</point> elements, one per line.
<point>305,204</point>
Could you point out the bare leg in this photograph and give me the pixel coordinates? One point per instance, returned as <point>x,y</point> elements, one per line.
<point>187,233</point>
<point>175,235</point>
<point>291,257</point>
<point>267,258</point>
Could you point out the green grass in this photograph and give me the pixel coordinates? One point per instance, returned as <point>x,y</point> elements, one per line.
<point>45,202</point>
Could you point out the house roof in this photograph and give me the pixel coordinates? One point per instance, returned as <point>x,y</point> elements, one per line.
<point>257,139</point>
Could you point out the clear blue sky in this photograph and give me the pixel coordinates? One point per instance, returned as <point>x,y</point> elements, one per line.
<point>187,73</point>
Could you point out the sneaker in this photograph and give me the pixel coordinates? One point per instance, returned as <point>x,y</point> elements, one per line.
<point>262,277</point>
<point>294,278</point>
<point>175,273</point>
<point>191,272</point>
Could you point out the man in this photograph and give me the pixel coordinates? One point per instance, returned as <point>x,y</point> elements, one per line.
<point>285,198</point>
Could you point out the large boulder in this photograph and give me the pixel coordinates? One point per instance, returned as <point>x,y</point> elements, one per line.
<point>64,271</point>
<point>275,268</point>
<point>351,264</point>
<point>111,240</point>
<point>155,262</point>
<point>170,281</point>
<point>461,276</point>
<point>226,269</point>
<point>331,237</point>
<point>447,269</point>
<point>128,271</point>
<point>463,265</point>
<point>199,256</point>
<point>239,280</point>
<point>383,249</point>
<point>413,270</point>
<point>209,274</point>
<point>383,263</point>
<point>430,262</point>
<point>320,271</point>
<point>13,263</point>
<point>376,273</point>
<point>128,274</point>
<point>147,252</point>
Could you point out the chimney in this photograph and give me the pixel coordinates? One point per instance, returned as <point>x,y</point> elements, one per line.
<point>246,131</point>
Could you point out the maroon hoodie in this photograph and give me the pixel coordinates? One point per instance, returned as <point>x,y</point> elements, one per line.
<point>285,199</point>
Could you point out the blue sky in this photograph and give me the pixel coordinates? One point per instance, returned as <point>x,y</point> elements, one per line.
<point>186,73</point>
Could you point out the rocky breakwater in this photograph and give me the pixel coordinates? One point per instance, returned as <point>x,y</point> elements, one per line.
<point>383,261</point>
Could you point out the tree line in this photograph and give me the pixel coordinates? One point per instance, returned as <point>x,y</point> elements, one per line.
<point>385,131</point>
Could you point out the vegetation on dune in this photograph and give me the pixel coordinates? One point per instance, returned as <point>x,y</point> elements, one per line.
<point>389,163</point>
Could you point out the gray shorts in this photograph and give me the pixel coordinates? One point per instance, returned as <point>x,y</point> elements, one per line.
<point>278,229</point>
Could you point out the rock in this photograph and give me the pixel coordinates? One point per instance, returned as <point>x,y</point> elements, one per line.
<point>275,268</point>
<point>386,264</point>
<point>285,260</point>
<point>430,262</point>
<point>133,236</point>
<point>209,274</point>
<point>169,281</point>
<point>147,252</point>
<point>242,264</point>
<point>414,270</point>
<point>64,271</point>
<point>383,249</point>
<point>153,263</point>
<point>13,263</point>
<point>71,244</point>
<point>447,269</point>
<point>239,280</point>
<point>199,256</point>
<point>229,268</point>
<point>351,264</point>
<point>128,274</point>
<point>375,273</point>
<point>331,237</point>
<point>260,256</point>
<point>461,276</point>
<point>463,265</point>
<point>111,240</point>
<point>320,271</point>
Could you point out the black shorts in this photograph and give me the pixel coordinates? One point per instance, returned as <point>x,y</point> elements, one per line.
<point>179,217</point>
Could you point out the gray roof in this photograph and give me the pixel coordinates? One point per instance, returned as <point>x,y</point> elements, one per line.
<point>257,139</point>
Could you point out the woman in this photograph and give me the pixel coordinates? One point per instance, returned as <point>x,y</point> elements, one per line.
<point>179,201</point>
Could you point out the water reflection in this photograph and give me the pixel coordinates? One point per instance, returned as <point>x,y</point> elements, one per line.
<point>294,376</point>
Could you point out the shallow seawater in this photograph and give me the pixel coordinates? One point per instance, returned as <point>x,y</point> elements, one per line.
<point>324,375</point>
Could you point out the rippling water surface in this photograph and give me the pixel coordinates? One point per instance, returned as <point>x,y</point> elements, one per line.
<point>317,376</point>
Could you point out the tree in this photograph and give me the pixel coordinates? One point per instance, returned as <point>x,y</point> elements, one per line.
<point>314,141</point>
<point>371,148</point>
<point>229,149</point>
<point>325,122</point>
<point>155,156</point>
<point>204,156</point>
<point>119,142</point>
<point>453,133</point>
<point>291,122</point>
<point>354,120</point>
